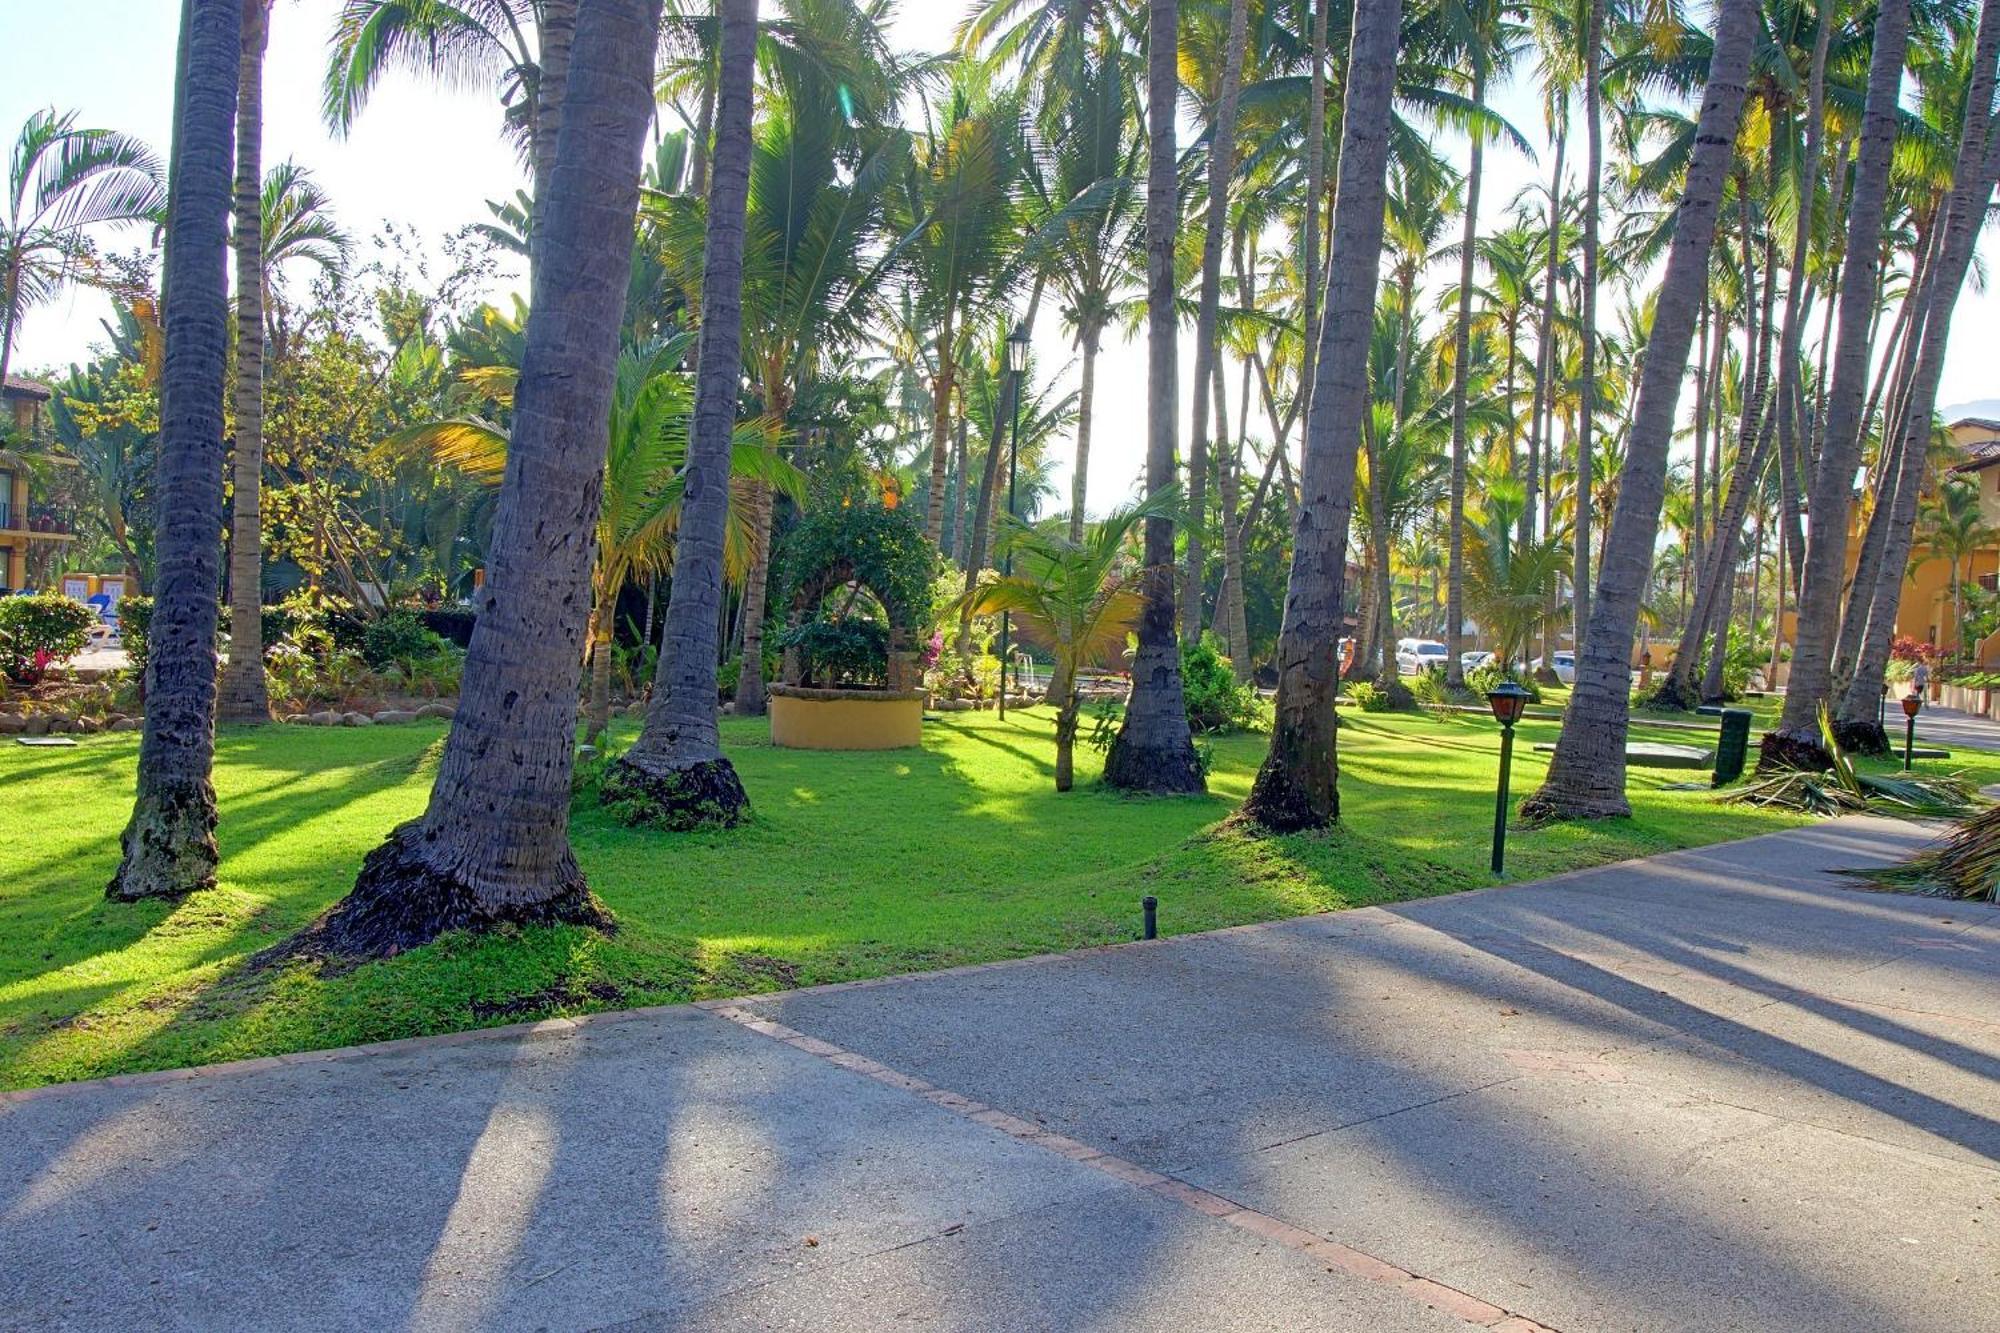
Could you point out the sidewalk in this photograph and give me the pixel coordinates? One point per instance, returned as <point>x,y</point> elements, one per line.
<point>1715,1089</point>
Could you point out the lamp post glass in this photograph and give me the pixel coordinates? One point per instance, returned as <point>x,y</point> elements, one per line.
<point>1508,703</point>
<point>1017,365</point>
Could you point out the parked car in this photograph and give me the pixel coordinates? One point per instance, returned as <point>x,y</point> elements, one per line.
<point>1473,659</point>
<point>1414,656</point>
<point>1565,666</point>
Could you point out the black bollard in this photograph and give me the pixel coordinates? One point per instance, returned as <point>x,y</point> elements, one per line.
<point>1151,907</point>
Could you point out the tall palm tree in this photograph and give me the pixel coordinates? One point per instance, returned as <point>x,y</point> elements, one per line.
<point>62,181</point>
<point>1975,175</point>
<point>169,845</point>
<point>1586,419</point>
<point>1154,749</point>
<point>676,771</point>
<point>1586,777</point>
<point>1207,359</point>
<point>960,197</point>
<point>493,844</point>
<point>1087,206</point>
<point>298,225</point>
<point>1082,597</point>
<point>1841,435</point>
<point>243,697</point>
<point>1298,785</point>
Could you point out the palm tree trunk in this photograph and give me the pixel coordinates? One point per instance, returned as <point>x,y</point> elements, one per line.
<point>1586,777</point>
<point>1701,392</point>
<point>1066,720</point>
<point>942,388</point>
<point>1840,445</point>
<point>751,699</point>
<point>675,774</point>
<point>1154,750</point>
<point>555,34</point>
<point>1593,113</point>
<point>1538,413</point>
<point>169,845</point>
<point>1235,613</point>
<point>1086,406</point>
<point>1221,168</point>
<point>243,695</point>
<point>1309,260</point>
<point>1461,376</point>
<point>1974,176</point>
<point>1298,785</point>
<point>493,844</point>
<point>599,633</point>
<point>982,515</point>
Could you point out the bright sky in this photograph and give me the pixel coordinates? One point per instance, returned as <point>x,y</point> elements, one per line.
<point>430,158</point>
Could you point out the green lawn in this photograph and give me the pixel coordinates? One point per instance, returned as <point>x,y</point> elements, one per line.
<point>856,865</point>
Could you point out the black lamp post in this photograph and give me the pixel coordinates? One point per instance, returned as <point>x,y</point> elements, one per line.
<point>1508,702</point>
<point>1017,366</point>
<point>1882,709</point>
<point>1913,703</point>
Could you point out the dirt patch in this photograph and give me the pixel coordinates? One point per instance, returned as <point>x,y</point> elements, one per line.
<point>562,995</point>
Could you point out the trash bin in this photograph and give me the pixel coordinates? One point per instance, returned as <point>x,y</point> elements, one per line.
<point>1732,748</point>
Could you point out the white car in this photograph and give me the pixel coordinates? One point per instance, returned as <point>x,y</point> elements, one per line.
<point>1473,659</point>
<point>1415,656</point>
<point>1565,666</point>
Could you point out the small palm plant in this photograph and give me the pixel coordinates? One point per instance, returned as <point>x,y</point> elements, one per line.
<point>1083,597</point>
<point>641,506</point>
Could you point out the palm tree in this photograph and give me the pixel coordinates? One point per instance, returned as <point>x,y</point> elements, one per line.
<point>676,771</point>
<point>1087,206</point>
<point>1586,777</point>
<point>1841,435</point>
<point>1954,528</point>
<point>1298,785</point>
<point>298,224</point>
<point>243,697</point>
<point>62,181</point>
<point>959,197</point>
<point>1586,419</point>
<point>1154,749</point>
<point>493,844</point>
<point>1207,359</point>
<point>169,845</point>
<point>1083,598</point>
<point>1507,580</point>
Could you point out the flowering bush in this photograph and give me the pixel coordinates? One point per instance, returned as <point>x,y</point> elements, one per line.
<point>40,631</point>
<point>1904,648</point>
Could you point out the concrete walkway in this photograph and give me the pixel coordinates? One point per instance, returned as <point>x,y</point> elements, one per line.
<point>1947,727</point>
<point>1713,1090</point>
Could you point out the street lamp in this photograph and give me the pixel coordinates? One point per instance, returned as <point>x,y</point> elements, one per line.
<point>1508,702</point>
<point>1912,704</point>
<point>1017,366</point>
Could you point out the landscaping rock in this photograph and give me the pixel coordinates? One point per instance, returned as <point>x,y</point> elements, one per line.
<point>297,719</point>
<point>12,724</point>
<point>443,712</point>
<point>53,725</point>
<point>127,724</point>
<point>729,710</point>
<point>394,715</point>
<point>327,718</point>
<point>357,720</point>
<point>88,726</point>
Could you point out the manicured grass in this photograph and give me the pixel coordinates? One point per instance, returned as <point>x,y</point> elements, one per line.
<point>857,865</point>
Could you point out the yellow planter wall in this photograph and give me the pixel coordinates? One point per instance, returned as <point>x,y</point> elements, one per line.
<point>891,722</point>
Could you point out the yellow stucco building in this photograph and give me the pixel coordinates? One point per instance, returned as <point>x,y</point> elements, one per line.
<point>20,523</point>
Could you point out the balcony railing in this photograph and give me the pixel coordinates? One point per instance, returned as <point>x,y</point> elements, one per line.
<point>35,520</point>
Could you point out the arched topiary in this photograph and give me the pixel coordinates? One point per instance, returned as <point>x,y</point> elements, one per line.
<point>883,550</point>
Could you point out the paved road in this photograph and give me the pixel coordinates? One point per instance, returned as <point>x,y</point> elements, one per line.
<point>1948,727</point>
<point>1714,1090</point>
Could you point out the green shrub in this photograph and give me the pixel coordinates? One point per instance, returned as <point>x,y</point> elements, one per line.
<point>1215,701</point>
<point>1483,680</point>
<point>837,653</point>
<point>1433,693</point>
<point>40,631</point>
<point>1369,698</point>
<point>399,638</point>
<point>135,618</point>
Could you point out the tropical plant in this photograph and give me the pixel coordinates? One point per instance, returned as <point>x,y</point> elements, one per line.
<point>1081,598</point>
<point>62,181</point>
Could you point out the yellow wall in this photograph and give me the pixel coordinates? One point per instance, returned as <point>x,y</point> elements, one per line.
<point>890,723</point>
